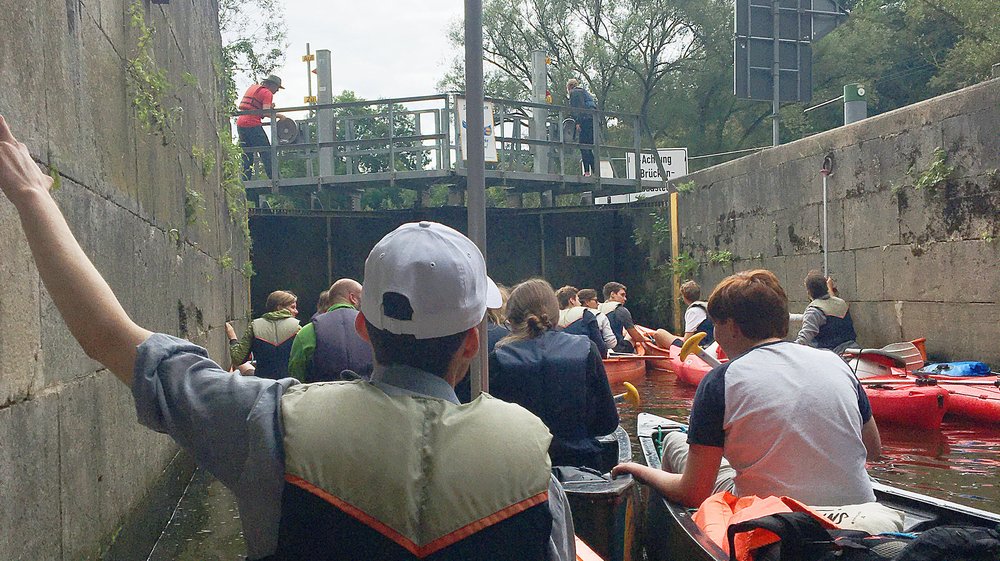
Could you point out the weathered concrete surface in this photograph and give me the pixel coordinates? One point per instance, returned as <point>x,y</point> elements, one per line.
<point>75,467</point>
<point>914,262</point>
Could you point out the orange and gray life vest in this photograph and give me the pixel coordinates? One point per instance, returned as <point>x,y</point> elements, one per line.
<point>272,346</point>
<point>373,476</point>
<point>839,327</point>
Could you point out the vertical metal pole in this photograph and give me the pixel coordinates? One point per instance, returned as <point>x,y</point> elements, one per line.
<point>541,242</point>
<point>539,81</point>
<point>309,71</point>
<point>324,117</point>
<point>775,74</point>
<point>476,178</point>
<point>826,243</point>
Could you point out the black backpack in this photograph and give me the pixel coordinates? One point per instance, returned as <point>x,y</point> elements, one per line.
<point>802,538</point>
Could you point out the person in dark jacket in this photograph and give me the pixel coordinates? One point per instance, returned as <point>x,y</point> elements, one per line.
<point>269,337</point>
<point>826,323</point>
<point>330,344</point>
<point>496,329</point>
<point>580,98</point>
<point>577,319</point>
<point>558,376</point>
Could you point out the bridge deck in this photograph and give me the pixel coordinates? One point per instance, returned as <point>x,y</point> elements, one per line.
<point>352,146</point>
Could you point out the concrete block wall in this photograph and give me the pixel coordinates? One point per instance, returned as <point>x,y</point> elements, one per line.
<point>74,464</point>
<point>913,262</point>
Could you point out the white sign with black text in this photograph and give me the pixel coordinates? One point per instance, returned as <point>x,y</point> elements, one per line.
<point>675,165</point>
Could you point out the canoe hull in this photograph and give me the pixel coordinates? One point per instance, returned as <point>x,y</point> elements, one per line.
<point>622,369</point>
<point>602,510</point>
<point>673,535</point>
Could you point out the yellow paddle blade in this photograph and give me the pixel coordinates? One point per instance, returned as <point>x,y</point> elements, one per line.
<point>631,395</point>
<point>691,345</point>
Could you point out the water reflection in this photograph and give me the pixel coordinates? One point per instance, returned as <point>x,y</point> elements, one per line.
<point>960,462</point>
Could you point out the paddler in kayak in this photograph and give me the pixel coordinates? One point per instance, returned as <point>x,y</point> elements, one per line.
<point>558,376</point>
<point>588,298</point>
<point>389,469</point>
<point>826,323</point>
<point>791,420</point>
<point>615,296</point>
<point>577,319</point>
<point>695,319</point>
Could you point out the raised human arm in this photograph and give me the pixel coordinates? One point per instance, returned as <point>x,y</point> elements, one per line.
<point>689,488</point>
<point>812,320</point>
<point>872,440</point>
<point>88,306</point>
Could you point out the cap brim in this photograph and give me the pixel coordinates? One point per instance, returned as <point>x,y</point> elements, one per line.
<point>493,298</point>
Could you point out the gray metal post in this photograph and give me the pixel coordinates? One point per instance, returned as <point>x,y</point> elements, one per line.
<point>324,117</point>
<point>476,163</point>
<point>826,171</point>
<point>855,103</point>
<point>539,81</point>
<point>775,74</point>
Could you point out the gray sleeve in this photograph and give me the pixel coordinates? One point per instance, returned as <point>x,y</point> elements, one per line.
<point>812,320</point>
<point>562,542</point>
<point>231,424</point>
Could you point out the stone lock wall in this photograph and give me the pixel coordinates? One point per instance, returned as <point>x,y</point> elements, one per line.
<point>914,229</point>
<point>74,464</point>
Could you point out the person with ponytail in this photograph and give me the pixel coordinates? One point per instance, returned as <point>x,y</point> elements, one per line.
<point>557,376</point>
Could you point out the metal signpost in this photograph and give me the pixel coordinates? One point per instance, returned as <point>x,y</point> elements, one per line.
<point>476,164</point>
<point>773,49</point>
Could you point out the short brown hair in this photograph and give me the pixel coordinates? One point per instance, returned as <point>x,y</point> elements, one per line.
<point>691,291</point>
<point>753,299</point>
<point>564,295</point>
<point>586,295</point>
<point>816,284</point>
<point>612,287</point>
<point>279,299</point>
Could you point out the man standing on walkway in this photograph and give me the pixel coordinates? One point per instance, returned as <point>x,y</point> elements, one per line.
<point>330,344</point>
<point>580,98</point>
<point>250,128</point>
<point>344,470</point>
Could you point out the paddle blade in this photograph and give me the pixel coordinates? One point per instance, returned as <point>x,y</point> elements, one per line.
<point>691,345</point>
<point>631,395</point>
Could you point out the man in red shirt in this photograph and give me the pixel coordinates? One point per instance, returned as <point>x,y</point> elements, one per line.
<point>250,128</point>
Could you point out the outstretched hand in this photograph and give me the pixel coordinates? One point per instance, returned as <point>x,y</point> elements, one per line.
<point>19,174</point>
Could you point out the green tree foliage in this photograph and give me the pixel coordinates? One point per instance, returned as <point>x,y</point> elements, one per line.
<point>672,61</point>
<point>254,36</point>
<point>368,125</point>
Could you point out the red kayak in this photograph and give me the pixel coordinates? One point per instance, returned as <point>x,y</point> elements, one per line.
<point>907,404</point>
<point>625,368</point>
<point>689,371</point>
<point>977,401</point>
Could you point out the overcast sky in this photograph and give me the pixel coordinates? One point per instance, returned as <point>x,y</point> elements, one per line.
<point>379,48</point>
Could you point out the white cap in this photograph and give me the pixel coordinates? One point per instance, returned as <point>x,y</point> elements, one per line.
<point>440,275</point>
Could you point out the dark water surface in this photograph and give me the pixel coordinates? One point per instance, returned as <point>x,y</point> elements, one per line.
<point>960,462</point>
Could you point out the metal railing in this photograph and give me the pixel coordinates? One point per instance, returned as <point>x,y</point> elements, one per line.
<point>418,139</point>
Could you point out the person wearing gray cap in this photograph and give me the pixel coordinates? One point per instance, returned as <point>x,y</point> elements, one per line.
<point>394,468</point>
<point>250,127</point>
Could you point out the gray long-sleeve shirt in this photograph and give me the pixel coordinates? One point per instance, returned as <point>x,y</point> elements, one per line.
<point>232,426</point>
